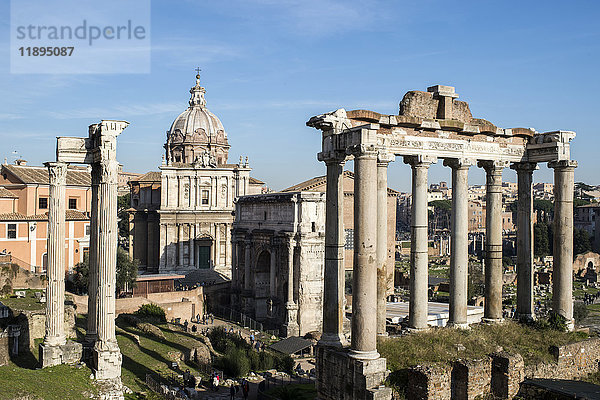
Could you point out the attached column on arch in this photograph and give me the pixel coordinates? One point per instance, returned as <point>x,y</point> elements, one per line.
<point>493,240</point>
<point>291,327</point>
<point>419,258</point>
<point>459,253</point>
<point>562,273</point>
<point>334,279</point>
<point>383,160</point>
<point>525,310</point>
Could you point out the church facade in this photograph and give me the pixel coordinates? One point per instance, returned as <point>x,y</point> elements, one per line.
<point>181,216</point>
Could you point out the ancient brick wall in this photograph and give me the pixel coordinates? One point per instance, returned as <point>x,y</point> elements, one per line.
<point>501,374</point>
<point>429,382</point>
<point>471,378</point>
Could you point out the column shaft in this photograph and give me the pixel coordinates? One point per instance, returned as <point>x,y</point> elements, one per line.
<point>364,288</point>
<point>217,245</point>
<point>91,334</point>
<point>107,258</point>
<point>525,310</point>
<point>382,249</point>
<point>272,275</point>
<point>419,258</point>
<point>459,255</point>
<point>191,263</point>
<point>493,242</point>
<point>55,302</point>
<point>247,284</point>
<point>291,324</point>
<point>334,282</point>
<point>180,244</point>
<point>562,273</point>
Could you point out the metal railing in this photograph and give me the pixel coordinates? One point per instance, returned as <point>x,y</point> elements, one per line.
<point>235,316</point>
<point>162,390</point>
<point>279,381</point>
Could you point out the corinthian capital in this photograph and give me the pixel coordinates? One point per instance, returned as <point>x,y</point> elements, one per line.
<point>109,171</point>
<point>57,172</point>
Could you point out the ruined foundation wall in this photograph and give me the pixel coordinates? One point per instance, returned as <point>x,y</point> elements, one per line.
<point>501,374</point>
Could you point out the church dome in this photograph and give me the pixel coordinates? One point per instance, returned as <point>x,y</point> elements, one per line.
<point>196,131</point>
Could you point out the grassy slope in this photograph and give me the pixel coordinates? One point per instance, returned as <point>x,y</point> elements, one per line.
<point>55,383</point>
<point>67,382</point>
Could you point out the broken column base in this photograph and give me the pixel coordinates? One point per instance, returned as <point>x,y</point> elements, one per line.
<point>106,361</point>
<point>341,377</point>
<point>68,353</point>
<point>111,389</point>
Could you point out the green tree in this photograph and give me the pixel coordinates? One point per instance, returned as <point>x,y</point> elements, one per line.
<point>541,241</point>
<point>126,272</point>
<point>581,241</point>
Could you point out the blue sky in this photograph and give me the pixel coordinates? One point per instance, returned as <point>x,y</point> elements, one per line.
<point>269,65</point>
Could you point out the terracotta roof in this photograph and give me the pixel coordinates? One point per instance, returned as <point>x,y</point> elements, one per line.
<point>313,183</point>
<point>76,176</point>
<point>152,176</point>
<point>7,194</point>
<point>254,181</point>
<point>70,215</point>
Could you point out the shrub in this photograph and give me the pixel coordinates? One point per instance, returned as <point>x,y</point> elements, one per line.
<point>580,312</point>
<point>557,322</point>
<point>234,363</point>
<point>151,311</point>
<point>285,363</point>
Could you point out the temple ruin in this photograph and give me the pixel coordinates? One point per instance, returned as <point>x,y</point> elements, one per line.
<point>430,126</point>
<point>99,151</point>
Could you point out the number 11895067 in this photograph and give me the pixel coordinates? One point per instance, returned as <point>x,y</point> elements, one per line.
<point>46,51</point>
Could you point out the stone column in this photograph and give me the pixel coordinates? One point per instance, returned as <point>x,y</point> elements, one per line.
<point>180,244</point>
<point>191,260</point>
<point>247,283</point>
<point>108,355</point>
<point>163,253</point>
<point>217,245</point>
<point>525,310</point>
<point>562,272</point>
<point>235,275</point>
<point>364,287</point>
<point>334,274</point>
<point>459,254</point>
<point>55,302</point>
<point>91,334</point>
<point>383,161</point>
<point>493,241</point>
<point>419,257</point>
<point>272,271</point>
<point>291,327</point>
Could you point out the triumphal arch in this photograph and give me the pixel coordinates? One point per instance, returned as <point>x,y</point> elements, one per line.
<point>431,126</point>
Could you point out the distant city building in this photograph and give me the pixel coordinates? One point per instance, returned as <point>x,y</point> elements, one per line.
<point>24,203</point>
<point>182,216</point>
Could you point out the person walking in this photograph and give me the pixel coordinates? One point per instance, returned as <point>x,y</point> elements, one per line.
<point>245,389</point>
<point>232,391</point>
